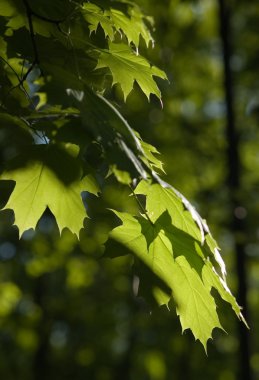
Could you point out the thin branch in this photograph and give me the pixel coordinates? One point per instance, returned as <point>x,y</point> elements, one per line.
<point>20,83</point>
<point>50,116</point>
<point>34,45</point>
<point>8,64</point>
<point>34,130</point>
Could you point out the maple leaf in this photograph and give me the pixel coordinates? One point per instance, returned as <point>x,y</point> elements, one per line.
<point>150,155</point>
<point>178,261</point>
<point>183,215</point>
<point>133,27</point>
<point>114,21</point>
<point>169,256</point>
<point>166,199</point>
<point>95,16</point>
<point>51,177</point>
<point>127,67</point>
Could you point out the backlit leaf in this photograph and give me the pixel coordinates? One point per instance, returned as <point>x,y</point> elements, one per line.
<point>183,214</point>
<point>114,21</point>
<point>177,260</point>
<point>42,182</point>
<point>126,68</point>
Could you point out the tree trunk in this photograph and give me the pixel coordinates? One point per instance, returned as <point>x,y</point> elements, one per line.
<point>235,189</point>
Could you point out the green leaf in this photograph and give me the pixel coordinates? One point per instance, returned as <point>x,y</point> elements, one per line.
<point>177,260</point>
<point>165,199</point>
<point>3,47</point>
<point>139,26</point>
<point>183,214</point>
<point>95,16</point>
<point>171,256</point>
<point>48,176</point>
<point>150,152</point>
<point>212,279</point>
<point>132,27</point>
<point>114,21</point>
<point>18,21</point>
<point>8,8</point>
<point>127,67</point>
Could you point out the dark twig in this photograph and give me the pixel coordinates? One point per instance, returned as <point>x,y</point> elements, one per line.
<point>20,82</point>
<point>30,14</point>
<point>8,64</point>
<point>43,18</point>
<point>34,45</point>
<point>56,22</point>
<point>34,130</point>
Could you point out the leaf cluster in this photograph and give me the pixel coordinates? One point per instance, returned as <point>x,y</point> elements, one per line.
<point>65,137</point>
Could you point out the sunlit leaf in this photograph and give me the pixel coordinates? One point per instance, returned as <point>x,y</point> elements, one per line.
<point>127,68</point>
<point>177,260</point>
<point>183,215</point>
<point>114,20</point>
<point>42,182</point>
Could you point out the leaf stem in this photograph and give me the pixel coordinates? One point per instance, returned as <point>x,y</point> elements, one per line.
<point>141,205</point>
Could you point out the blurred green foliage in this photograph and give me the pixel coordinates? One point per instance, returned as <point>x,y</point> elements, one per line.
<point>69,312</point>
